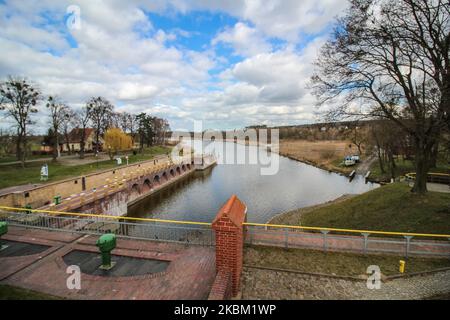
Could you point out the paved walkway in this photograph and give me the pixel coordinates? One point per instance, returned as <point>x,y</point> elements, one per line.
<point>438,187</point>
<point>269,284</point>
<point>190,273</point>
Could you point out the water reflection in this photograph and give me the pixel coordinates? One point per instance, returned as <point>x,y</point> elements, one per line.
<point>199,196</point>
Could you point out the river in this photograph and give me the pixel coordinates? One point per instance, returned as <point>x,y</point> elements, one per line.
<point>295,185</point>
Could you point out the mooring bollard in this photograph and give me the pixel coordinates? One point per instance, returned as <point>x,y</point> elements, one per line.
<point>106,243</point>
<point>402,266</point>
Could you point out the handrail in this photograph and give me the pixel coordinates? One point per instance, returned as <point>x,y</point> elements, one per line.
<point>349,230</point>
<point>411,174</point>
<point>245,223</point>
<point>105,216</point>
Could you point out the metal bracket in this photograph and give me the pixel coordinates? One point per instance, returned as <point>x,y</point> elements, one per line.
<point>408,242</point>
<point>366,240</point>
<point>325,232</point>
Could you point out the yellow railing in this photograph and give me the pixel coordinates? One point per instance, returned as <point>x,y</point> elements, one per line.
<point>281,226</point>
<point>88,215</point>
<point>431,175</point>
<point>278,226</point>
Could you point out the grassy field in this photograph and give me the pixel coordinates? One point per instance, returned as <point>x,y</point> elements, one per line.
<point>403,167</point>
<point>324,154</point>
<point>9,158</point>
<point>15,293</point>
<point>335,263</point>
<point>389,208</point>
<point>12,175</point>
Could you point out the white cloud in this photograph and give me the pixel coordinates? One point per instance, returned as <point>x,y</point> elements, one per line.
<point>244,40</point>
<point>122,56</point>
<point>284,19</point>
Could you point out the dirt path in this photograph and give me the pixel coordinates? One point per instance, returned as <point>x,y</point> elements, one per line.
<point>365,165</point>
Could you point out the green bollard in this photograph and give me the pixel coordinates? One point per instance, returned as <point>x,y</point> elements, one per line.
<point>3,231</point>
<point>106,243</point>
<point>57,199</point>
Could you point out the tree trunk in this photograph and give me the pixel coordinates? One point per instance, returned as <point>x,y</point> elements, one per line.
<point>66,136</point>
<point>82,143</point>
<point>55,146</point>
<point>422,165</point>
<point>391,164</point>
<point>19,147</point>
<point>24,149</point>
<point>82,150</point>
<point>97,137</point>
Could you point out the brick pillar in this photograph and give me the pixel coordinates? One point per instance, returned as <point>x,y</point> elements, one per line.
<point>230,240</point>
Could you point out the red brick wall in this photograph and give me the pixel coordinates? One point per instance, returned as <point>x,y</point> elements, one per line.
<point>221,289</point>
<point>230,240</point>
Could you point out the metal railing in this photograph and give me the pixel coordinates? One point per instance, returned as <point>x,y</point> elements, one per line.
<point>435,177</point>
<point>361,241</point>
<point>187,232</point>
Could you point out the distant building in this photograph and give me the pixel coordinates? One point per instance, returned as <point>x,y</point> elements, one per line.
<point>75,138</point>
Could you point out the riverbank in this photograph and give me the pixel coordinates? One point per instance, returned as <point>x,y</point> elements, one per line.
<point>294,217</point>
<point>325,155</point>
<point>389,208</point>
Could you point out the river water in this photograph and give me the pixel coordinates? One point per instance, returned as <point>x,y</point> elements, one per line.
<point>295,185</point>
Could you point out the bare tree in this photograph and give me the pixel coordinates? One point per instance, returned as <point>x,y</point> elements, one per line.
<point>358,136</point>
<point>128,123</point>
<point>18,100</point>
<point>69,123</point>
<point>390,59</point>
<point>58,114</point>
<point>100,111</point>
<point>82,119</point>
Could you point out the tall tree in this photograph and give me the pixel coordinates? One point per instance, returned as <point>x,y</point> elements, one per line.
<point>18,98</point>
<point>59,114</point>
<point>100,111</point>
<point>69,123</point>
<point>82,120</point>
<point>390,59</point>
<point>116,140</point>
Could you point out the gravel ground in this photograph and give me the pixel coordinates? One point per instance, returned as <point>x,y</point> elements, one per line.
<point>269,284</point>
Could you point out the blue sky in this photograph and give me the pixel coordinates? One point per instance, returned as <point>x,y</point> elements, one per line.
<point>227,63</point>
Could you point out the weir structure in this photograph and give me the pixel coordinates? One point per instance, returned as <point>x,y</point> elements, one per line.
<point>122,190</point>
<point>227,234</point>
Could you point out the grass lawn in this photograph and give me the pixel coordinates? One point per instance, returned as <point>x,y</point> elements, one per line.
<point>5,159</point>
<point>15,293</point>
<point>403,167</point>
<point>389,208</point>
<point>337,263</point>
<point>16,175</point>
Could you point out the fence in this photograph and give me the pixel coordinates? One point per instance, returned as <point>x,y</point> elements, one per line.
<point>126,227</point>
<point>201,233</point>
<point>360,241</point>
<point>443,178</point>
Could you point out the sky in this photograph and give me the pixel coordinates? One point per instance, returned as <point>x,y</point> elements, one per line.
<point>230,63</point>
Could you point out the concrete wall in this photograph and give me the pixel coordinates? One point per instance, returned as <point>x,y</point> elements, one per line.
<point>43,195</point>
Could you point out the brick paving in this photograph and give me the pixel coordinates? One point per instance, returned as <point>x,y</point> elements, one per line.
<point>190,274</point>
<point>270,284</point>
